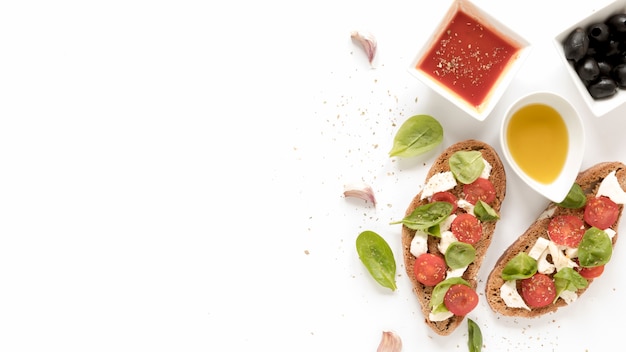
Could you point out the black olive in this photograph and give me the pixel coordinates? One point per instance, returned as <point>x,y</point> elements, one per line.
<point>619,75</point>
<point>576,44</point>
<point>617,24</point>
<point>598,33</point>
<point>588,69</point>
<point>603,88</point>
<point>605,68</point>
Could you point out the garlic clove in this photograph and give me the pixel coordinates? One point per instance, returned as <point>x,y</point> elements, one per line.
<point>368,42</point>
<point>360,190</point>
<point>390,342</point>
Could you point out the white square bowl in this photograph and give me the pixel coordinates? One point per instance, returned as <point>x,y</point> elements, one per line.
<point>603,106</point>
<point>481,111</point>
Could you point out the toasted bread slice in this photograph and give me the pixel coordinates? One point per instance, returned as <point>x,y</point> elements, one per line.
<point>497,177</point>
<point>589,181</point>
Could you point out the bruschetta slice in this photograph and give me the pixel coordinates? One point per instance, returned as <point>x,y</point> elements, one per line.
<point>562,252</point>
<point>447,229</point>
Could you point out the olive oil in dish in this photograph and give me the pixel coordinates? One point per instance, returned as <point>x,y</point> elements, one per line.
<point>538,141</point>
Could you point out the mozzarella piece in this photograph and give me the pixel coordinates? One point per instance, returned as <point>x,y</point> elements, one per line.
<point>559,259</point>
<point>456,272</point>
<point>439,182</point>
<point>441,316</point>
<point>568,296</point>
<point>419,243</point>
<point>445,225</point>
<point>543,265</point>
<point>465,205</point>
<point>611,188</point>
<point>510,296</point>
<point>487,170</point>
<point>447,237</point>
<point>538,248</point>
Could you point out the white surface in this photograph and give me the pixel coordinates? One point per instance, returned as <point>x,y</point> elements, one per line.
<point>167,166</point>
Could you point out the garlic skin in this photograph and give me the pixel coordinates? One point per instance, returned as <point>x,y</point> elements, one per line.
<point>368,42</point>
<point>361,191</point>
<point>390,342</point>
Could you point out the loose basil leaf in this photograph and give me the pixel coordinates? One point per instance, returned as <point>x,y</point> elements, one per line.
<point>378,258</point>
<point>595,248</point>
<point>426,216</point>
<point>484,212</point>
<point>466,165</point>
<point>417,135</point>
<point>522,266</point>
<point>575,198</point>
<point>439,291</point>
<point>568,279</point>
<point>474,336</point>
<point>459,254</point>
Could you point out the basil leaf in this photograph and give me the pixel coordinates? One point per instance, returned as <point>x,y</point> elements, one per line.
<point>426,216</point>
<point>568,279</point>
<point>378,258</point>
<point>474,336</point>
<point>595,248</point>
<point>484,212</point>
<point>522,266</point>
<point>439,291</point>
<point>575,198</point>
<point>467,165</point>
<point>417,135</point>
<point>459,254</point>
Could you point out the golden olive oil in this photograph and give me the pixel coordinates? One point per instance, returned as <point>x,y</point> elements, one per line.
<point>538,141</point>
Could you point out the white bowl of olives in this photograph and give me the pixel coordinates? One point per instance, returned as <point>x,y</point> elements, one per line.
<point>594,53</point>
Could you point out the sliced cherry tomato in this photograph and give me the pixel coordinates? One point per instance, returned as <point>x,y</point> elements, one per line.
<point>601,212</point>
<point>445,197</point>
<point>466,228</point>
<point>538,290</point>
<point>566,230</point>
<point>460,299</point>
<point>481,189</point>
<point>590,273</point>
<point>429,269</point>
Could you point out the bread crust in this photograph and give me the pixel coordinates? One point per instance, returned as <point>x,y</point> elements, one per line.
<point>589,180</point>
<point>498,178</point>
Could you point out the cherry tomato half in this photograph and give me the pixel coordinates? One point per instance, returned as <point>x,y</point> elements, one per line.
<point>467,228</point>
<point>429,269</point>
<point>445,197</point>
<point>481,189</point>
<point>460,299</point>
<point>601,212</point>
<point>590,273</point>
<point>566,230</point>
<point>538,290</point>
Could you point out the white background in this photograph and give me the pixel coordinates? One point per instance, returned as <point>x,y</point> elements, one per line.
<point>172,172</point>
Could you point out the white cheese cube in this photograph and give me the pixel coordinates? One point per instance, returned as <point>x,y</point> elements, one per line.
<point>510,296</point>
<point>439,182</point>
<point>419,243</point>
<point>610,188</point>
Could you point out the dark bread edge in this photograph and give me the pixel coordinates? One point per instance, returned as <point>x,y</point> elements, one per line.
<point>498,178</point>
<point>589,180</point>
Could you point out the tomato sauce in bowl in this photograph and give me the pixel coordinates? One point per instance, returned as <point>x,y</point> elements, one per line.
<point>468,58</point>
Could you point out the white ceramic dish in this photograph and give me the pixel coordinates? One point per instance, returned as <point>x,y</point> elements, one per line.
<point>488,21</point>
<point>557,189</point>
<point>603,106</point>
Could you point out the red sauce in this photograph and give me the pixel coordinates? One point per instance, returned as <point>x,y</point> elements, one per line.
<point>468,58</point>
